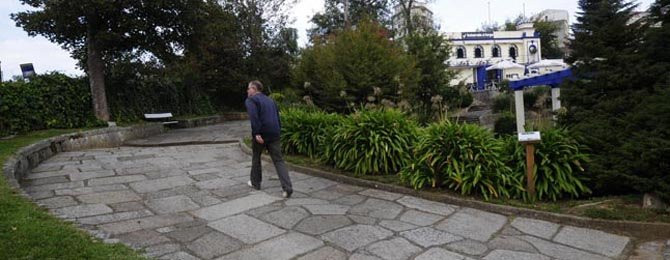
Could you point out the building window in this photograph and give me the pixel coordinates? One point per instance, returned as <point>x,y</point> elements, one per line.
<point>479,52</point>
<point>460,52</point>
<point>513,52</point>
<point>495,51</point>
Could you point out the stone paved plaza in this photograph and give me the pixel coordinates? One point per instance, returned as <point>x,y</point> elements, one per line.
<point>192,202</point>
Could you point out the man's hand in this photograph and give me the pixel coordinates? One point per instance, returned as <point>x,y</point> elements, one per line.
<point>259,139</point>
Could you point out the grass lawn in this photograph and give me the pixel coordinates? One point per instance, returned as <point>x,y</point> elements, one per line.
<point>611,208</point>
<point>30,232</point>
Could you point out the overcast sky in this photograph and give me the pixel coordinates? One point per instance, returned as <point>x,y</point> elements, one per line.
<point>17,47</point>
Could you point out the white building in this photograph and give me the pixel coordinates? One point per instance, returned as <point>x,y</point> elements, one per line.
<point>473,52</point>
<point>419,12</point>
<point>560,18</point>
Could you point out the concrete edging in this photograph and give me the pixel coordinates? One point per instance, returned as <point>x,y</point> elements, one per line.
<point>26,158</point>
<point>641,230</point>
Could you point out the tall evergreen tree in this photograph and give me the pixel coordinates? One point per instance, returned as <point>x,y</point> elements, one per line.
<point>611,82</point>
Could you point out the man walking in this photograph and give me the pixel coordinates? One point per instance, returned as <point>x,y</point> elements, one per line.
<point>265,129</point>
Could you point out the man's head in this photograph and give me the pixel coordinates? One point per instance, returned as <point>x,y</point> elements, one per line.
<point>254,87</point>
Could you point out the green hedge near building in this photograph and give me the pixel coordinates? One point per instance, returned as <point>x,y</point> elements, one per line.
<point>47,101</point>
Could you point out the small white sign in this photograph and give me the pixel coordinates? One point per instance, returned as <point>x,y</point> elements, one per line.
<point>529,137</point>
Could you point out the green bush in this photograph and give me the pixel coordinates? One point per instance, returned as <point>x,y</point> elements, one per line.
<point>51,100</point>
<point>463,157</point>
<point>502,103</point>
<point>348,67</point>
<point>304,132</point>
<point>372,142</point>
<point>505,125</point>
<point>530,99</point>
<point>559,162</point>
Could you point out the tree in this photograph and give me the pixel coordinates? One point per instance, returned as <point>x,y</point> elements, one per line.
<point>431,50</point>
<point>100,28</point>
<point>547,30</point>
<point>611,82</point>
<point>339,14</point>
<point>268,45</point>
<point>412,23</point>
<point>353,66</point>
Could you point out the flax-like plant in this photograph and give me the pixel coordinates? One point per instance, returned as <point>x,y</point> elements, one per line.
<point>462,157</point>
<point>304,132</point>
<point>372,142</point>
<point>559,162</point>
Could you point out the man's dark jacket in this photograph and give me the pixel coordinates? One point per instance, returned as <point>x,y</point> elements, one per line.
<point>264,117</point>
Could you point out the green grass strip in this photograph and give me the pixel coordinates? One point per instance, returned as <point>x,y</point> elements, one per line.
<point>30,232</point>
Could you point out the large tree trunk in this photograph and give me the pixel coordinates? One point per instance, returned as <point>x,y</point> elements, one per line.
<point>96,76</point>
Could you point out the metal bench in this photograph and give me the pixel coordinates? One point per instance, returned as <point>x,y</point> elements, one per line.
<point>165,118</point>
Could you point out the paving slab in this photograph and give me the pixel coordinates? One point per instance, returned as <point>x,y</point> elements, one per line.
<point>246,229</point>
<point>356,236</point>
<point>235,206</point>
<point>427,236</point>
<point>559,251</point>
<point>114,217</point>
<point>172,204</point>
<point>316,225</point>
<point>427,205</point>
<point>285,218</point>
<point>325,253</point>
<point>513,255</point>
<point>420,218</point>
<point>57,202</point>
<point>84,210</point>
<point>592,240</point>
<point>394,249</point>
<point>396,225</point>
<point>280,248</point>
<point>535,227</point>
<point>327,209</point>
<point>214,244</point>
<point>468,247</point>
<point>116,180</point>
<point>439,253</point>
<point>474,224</point>
<point>377,208</point>
<point>160,184</point>
<point>110,197</point>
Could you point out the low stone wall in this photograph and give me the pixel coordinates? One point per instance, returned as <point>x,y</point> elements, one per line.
<point>18,166</point>
<point>210,120</point>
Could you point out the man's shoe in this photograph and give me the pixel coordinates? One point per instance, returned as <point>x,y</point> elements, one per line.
<point>252,186</point>
<point>287,194</point>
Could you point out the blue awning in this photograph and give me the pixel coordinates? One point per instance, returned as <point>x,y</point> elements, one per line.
<point>553,79</point>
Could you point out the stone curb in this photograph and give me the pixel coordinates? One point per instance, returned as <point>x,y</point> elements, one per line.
<point>180,143</point>
<point>210,120</point>
<point>641,230</point>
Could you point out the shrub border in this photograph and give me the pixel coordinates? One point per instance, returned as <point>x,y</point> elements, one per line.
<point>636,229</point>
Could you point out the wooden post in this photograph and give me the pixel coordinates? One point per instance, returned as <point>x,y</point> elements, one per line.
<point>529,140</point>
<point>530,175</point>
